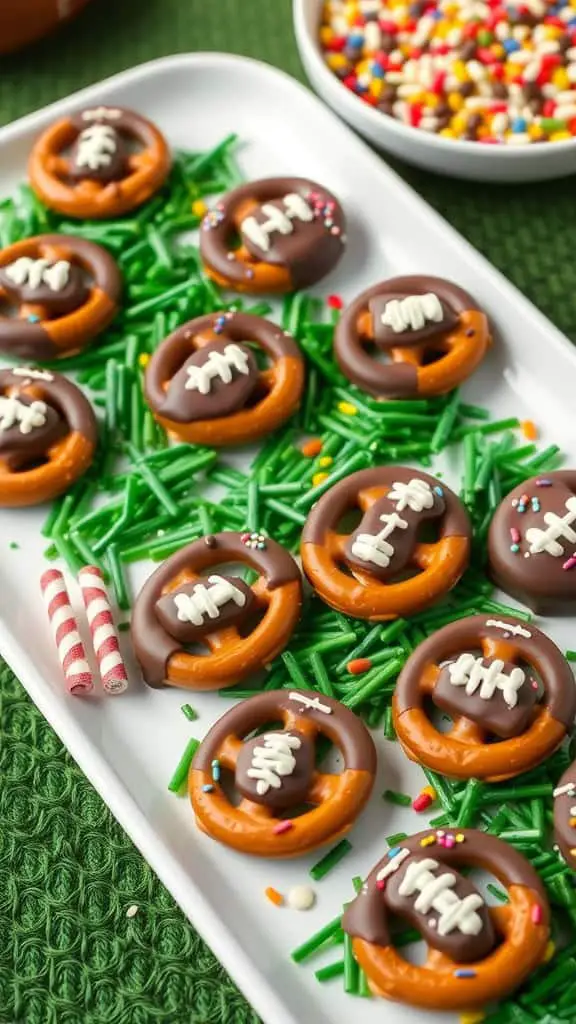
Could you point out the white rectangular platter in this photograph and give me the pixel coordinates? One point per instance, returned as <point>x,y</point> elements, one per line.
<point>128,747</point>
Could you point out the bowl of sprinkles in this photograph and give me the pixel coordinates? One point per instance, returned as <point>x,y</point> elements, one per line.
<point>481,89</point>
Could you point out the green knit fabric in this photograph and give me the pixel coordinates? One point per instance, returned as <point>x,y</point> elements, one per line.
<point>68,873</point>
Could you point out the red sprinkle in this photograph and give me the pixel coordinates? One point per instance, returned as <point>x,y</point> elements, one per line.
<point>335,301</point>
<point>281,827</point>
<point>422,802</point>
<point>381,884</point>
<point>536,914</point>
<point>359,665</point>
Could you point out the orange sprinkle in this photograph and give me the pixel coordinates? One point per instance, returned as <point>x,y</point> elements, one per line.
<point>359,665</point>
<point>312,448</point>
<point>530,430</point>
<point>274,896</point>
<point>572,822</point>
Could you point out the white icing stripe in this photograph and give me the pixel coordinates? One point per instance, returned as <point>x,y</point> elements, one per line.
<point>207,601</point>
<point>412,313</point>
<point>556,526</point>
<point>110,661</point>
<point>375,547</point>
<point>218,364</point>
<point>100,112</point>
<point>96,145</point>
<point>416,494</point>
<point>471,673</point>
<point>34,273</point>
<point>273,761</point>
<point>509,627</point>
<point>393,864</point>
<point>29,417</point>
<point>436,893</point>
<point>280,220</point>
<point>25,371</point>
<point>310,702</point>
<point>568,788</point>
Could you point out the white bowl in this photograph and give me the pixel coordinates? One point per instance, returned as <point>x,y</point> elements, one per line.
<point>432,152</point>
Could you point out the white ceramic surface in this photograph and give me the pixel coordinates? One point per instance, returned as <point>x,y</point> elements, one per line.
<point>128,746</point>
<point>432,152</point>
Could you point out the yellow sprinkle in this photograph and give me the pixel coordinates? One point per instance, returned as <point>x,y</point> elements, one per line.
<point>199,208</point>
<point>335,61</point>
<point>458,123</point>
<point>326,35</point>
<point>430,791</point>
<point>459,837</point>
<point>455,101</point>
<point>347,408</point>
<point>472,1018</point>
<point>549,952</point>
<point>447,133</point>
<point>326,460</point>
<point>376,87</point>
<point>143,359</point>
<point>427,841</point>
<point>319,478</point>
<point>535,131</point>
<point>430,99</point>
<point>459,71</point>
<point>572,822</point>
<point>559,136</point>
<point>497,50</point>
<point>560,79</point>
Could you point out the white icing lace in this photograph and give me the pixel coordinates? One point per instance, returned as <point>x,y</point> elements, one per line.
<point>375,547</point>
<point>310,702</point>
<point>295,208</point>
<point>471,673</point>
<point>436,893</point>
<point>416,494</point>
<point>218,364</point>
<point>98,113</point>
<point>12,411</point>
<point>36,272</point>
<point>557,526</point>
<point>96,145</point>
<point>412,313</point>
<point>207,601</point>
<point>273,761</point>
<point>509,627</point>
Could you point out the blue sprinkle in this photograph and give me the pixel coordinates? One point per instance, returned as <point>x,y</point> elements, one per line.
<point>216,770</point>
<point>515,548</point>
<point>356,40</point>
<point>510,45</point>
<point>464,972</point>
<point>519,125</point>
<point>34,318</point>
<point>208,788</point>
<point>394,851</point>
<point>378,71</point>
<point>439,491</point>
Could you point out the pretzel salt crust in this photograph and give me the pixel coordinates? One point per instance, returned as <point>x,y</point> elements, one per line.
<point>430,329</point>
<point>204,385</point>
<point>244,627</point>
<point>48,436</point>
<point>358,573</point>
<point>475,953</point>
<point>66,291</point>
<point>101,162</point>
<point>292,233</point>
<point>484,673</point>
<point>274,772</point>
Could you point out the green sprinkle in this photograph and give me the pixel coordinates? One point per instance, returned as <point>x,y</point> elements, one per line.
<point>445,424</point>
<point>351,978</point>
<point>314,943</point>
<point>330,860</point>
<point>182,768</point>
<point>398,837</point>
<point>472,796</point>
<point>570,655</point>
<point>14,546</point>
<point>294,671</point>
<point>189,712</point>
<point>320,674</point>
<point>400,799</point>
<point>333,970</point>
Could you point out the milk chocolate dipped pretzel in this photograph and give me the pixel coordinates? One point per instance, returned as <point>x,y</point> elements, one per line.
<point>292,233</point>
<point>48,435</point>
<point>366,573</point>
<point>243,627</point>
<point>204,385</point>
<point>476,953</point>
<point>483,671</point>
<point>100,162</point>
<point>274,772</point>
<point>565,815</point>
<point>532,543</point>
<point>430,330</point>
<point>66,291</point>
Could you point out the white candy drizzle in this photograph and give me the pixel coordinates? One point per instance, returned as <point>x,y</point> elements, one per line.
<point>25,371</point>
<point>310,702</point>
<point>29,417</point>
<point>98,113</point>
<point>207,601</point>
<point>471,673</point>
<point>273,761</point>
<point>557,526</point>
<point>218,364</point>
<point>295,208</point>
<point>37,272</point>
<point>375,547</point>
<point>436,893</point>
<point>393,864</point>
<point>96,145</point>
<point>509,627</point>
<point>412,313</point>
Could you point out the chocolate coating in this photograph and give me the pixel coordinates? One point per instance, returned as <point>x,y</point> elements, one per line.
<point>183,405</point>
<point>153,645</point>
<point>56,303</point>
<point>229,613</point>
<point>367,917</point>
<point>19,449</point>
<point>309,251</point>
<point>468,635</point>
<point>494,714</point>
<point>114,170</point>
<point>126,128</point>
<point>564,803</point>
<point>538,578</point>
<point>60,394</point>
<point>393,379</point>
<point>293,787</point>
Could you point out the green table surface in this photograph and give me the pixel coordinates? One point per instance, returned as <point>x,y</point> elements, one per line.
<point>68,873</point>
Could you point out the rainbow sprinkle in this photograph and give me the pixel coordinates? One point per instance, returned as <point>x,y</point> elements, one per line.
<point>484,71</point>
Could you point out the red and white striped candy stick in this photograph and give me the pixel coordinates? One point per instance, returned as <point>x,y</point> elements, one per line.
<point>71,651</point>
<point>103,630</point>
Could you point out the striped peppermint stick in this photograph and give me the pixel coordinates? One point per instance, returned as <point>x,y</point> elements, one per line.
<point>103,630</point>
<point>71,652</point>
